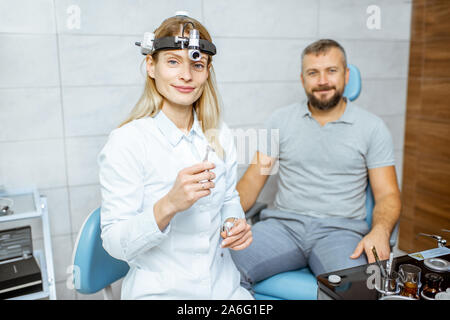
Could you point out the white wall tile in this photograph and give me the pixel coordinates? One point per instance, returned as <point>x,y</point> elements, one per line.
<point>378,59</point>
<point>27,16</point>
<point>251,103</point>
<point>83,200</point>
<point>82,155</point>
<point>63,292</point>
<point>62,255</point>
<point>258,60</point>
<point>28,61</point>
<point>349,19</point>
<point>396,125</point>
<point>100,60</point>
<point>33,163</point>
<point>261,19</point>
<point>383,96</point>
<point>30,114</point>
<point>58,210</point>
<point>97,110</point>
<point>121,16</point>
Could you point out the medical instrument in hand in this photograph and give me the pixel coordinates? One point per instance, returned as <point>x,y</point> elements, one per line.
<point>193,43</point>
<point>383,272</point>
<point>205,158</point>
<point>208,149</point>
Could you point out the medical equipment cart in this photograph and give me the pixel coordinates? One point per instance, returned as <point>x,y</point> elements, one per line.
<point>30,205</point>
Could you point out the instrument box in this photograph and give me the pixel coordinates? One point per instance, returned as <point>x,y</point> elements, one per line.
<point>19,272</point>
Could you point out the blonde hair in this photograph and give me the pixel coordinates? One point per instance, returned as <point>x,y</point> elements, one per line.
<point>207,106</point>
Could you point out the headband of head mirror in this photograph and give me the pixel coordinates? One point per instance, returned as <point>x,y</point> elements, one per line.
<point>194,44</point>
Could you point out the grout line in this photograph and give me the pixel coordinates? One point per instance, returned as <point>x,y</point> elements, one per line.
<point>109,35</point>
<point>71,186</point>
<point>131,85</point>
<point>284,38</point>
<point>64,138</point>
<point>215,36</point>
<point>318,20</point>
<point>203,12</point>
<point>61,93</point>
<point>219,82</point>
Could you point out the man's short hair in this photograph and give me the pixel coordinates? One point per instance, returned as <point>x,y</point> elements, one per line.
<point>322,46</point>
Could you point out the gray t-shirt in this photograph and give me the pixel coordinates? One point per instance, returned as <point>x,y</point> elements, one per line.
<point>323,170</point>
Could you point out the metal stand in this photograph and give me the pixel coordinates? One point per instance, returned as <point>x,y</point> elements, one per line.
<point>46,261</point>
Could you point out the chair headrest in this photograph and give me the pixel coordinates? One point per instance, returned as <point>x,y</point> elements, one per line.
<point>353,87</point>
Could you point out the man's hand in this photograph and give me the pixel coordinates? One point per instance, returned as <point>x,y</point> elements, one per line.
<point>240,235</point>
<point>378,238</point>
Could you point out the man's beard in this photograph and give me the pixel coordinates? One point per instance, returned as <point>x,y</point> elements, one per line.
<point>324,104</point>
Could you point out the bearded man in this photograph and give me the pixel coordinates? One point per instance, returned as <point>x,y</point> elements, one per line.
<point>329,149</point>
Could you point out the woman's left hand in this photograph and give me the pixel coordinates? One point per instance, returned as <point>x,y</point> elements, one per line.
<point>240,235</point>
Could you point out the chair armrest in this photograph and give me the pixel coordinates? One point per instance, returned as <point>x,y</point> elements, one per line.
<point>394,235</point>
<point>254,211</point>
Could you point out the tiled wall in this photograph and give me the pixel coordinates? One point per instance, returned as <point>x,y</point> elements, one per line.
<point>63,90</point>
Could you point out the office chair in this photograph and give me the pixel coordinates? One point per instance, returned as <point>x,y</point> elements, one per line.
<point>301,284</point>
<point>93,268</point>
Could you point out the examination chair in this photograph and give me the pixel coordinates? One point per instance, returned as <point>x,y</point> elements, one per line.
<point>301,284</point>
<point>93,268</point>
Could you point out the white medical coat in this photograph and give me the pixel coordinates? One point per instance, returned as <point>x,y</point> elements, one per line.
<point>138,166</point>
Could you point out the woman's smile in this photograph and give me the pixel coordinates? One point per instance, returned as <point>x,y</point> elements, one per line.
<point>184,89</point>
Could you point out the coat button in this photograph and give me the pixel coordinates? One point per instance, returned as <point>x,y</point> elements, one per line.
<point>221,254</point>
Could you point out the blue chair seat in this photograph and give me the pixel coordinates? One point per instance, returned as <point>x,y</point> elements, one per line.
<point>301,284</point>
<point>291,285</point>
<point>94,268</point>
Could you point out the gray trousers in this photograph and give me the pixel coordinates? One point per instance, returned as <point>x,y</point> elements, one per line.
<point>284,241</point>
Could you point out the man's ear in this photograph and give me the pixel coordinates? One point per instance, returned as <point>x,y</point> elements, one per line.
<point>150,67</point>
<point>301,78</point>
<point>347,75</point>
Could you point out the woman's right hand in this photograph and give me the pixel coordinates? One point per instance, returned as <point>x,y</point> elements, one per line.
<point>187,188</point>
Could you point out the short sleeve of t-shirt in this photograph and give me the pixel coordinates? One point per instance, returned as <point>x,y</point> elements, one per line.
<point>380,152</point>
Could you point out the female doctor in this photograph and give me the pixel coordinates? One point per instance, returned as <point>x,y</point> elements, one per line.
<point>168,177</point>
